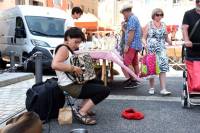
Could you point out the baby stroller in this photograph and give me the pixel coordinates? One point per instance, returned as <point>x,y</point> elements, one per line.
<point>191,75</point>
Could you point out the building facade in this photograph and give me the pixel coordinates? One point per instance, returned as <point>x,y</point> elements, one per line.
<point>142,9</point>
<point>173,10</point>
<point>90,6</point>
<point>5,4</point>
<point>108,11</point>
<point>62,4</point>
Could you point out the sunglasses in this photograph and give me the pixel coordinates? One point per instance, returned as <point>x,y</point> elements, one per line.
<point>157,15</point>
<point>197,1</point>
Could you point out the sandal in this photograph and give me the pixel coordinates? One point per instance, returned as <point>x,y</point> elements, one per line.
<point>91,113</point>
<point>85,119</point>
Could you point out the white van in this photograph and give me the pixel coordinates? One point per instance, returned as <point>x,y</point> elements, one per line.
<point>26,29</point>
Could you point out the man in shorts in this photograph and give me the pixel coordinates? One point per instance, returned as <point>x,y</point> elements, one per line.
<point>133,43</point>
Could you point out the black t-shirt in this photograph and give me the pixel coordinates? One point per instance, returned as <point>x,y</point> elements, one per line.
<point>190,18</point>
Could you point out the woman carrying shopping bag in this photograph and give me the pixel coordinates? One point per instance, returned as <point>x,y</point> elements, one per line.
<point>154,38</point>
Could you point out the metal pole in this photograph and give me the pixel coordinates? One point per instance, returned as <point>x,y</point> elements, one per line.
<point>38,67</point>
<point>12,60</point>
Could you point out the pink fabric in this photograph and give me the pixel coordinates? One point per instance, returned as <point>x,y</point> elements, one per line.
<point>125,73</point>
<point>193,73</point>
<point>111,56</point>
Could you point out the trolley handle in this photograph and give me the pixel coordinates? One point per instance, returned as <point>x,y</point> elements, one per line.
<point>184,50</point>
<point>195,44</point>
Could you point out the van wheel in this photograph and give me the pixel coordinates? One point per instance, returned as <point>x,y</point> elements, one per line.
<point>2,64</point>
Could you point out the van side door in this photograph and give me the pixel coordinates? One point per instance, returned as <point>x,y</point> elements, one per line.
<point>7,27</point>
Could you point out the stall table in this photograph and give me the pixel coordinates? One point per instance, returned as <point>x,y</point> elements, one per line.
<point>108,55</point>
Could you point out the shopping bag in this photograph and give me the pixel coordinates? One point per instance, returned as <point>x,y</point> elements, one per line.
<point>149,65</point>
<point>65,116</point>
<point>193,73</point>
<point>143,67</point>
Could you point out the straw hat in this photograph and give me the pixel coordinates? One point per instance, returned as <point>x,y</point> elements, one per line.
<point>126,6</point>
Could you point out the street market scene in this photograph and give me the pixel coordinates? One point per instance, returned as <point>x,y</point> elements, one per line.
<point>94,66</point>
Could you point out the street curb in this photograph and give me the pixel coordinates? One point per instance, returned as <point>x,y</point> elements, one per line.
<point>11,78</point>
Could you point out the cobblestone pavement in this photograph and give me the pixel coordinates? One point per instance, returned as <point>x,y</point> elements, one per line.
<point>12,98</point>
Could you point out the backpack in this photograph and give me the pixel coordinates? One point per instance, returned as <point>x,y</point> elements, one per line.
<point>45,99</point>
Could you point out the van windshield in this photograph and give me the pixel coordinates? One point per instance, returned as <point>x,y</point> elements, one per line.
<point>46,26</point>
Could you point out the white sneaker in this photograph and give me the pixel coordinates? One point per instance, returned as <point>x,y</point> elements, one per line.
<point>151,91</point>
<point>165,92</point>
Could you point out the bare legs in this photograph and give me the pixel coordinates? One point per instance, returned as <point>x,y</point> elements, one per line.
<point>86,106</point>
<point>82,116</point>
<point>137,69</point>
<point>134,69</point>
<point>162,77</point>
<point>151,83</point>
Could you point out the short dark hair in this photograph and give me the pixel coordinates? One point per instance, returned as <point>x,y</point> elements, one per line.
<point>74,32</point>
<point>77,10</point>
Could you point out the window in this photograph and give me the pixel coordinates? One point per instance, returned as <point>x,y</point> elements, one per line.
<point>71,4</point>
<point>37,3</point>
<point>19,23</point>
<point>57,2</point>
<point>46,26</point>
<point>20,2</point>
<point>20,31</point>
<point>176,1</point>
<point>82,7</point>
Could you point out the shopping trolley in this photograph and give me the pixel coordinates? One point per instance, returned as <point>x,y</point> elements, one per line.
<point>191,74</point>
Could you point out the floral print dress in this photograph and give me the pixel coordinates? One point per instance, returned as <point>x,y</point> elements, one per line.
<point>156,44</point>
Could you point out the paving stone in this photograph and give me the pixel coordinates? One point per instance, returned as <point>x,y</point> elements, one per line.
<point>12,97</point>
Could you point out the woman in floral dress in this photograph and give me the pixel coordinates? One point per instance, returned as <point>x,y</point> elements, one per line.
<point>154,38</point>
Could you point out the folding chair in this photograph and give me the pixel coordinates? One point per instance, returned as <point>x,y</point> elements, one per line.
<point>70,102</point>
